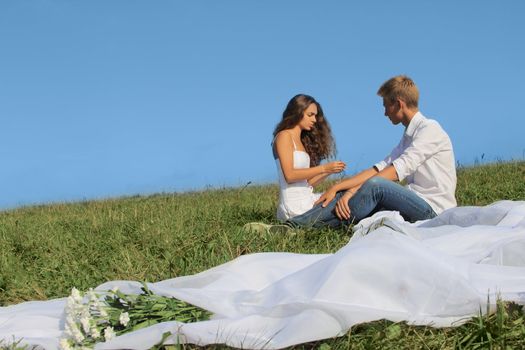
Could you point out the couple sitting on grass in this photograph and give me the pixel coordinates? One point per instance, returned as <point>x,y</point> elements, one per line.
<point>423,159</point>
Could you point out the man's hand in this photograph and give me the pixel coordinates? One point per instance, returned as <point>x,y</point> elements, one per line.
<point>342,210</point>
<point>326,198</point>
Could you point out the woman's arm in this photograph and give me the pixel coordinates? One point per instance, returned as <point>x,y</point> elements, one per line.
<point>284,149</point>
<point>316,180</point>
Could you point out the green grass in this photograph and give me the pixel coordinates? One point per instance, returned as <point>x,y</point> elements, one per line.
<point>48,249</point>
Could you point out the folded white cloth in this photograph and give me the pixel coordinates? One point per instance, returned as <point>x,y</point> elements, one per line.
<point>438,272</point>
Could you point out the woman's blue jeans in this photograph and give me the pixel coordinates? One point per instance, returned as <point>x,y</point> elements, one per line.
<point>375,195</point>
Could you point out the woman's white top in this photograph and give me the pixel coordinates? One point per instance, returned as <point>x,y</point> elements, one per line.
<point>297,197</point>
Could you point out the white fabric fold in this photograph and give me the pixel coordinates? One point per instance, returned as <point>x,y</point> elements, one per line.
<point>438,272</point>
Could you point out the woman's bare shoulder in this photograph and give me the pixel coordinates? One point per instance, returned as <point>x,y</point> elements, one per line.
<point>283,135</point>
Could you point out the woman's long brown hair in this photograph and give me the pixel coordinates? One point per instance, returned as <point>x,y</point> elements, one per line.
<point>318,142</point>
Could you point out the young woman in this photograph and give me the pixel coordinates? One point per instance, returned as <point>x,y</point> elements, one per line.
<point>302,139</point>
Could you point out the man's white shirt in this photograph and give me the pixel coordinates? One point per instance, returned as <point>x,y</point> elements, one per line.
<point>425,158</point>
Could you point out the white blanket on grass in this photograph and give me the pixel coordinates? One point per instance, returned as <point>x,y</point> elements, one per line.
<point>438,272</point>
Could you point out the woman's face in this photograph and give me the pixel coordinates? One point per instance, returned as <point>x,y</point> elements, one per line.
<point>309,117</point>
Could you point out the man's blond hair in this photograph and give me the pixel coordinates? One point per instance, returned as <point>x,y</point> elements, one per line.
<point>401,87</point>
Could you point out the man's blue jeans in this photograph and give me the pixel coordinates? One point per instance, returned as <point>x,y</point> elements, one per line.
<point>375,195</point>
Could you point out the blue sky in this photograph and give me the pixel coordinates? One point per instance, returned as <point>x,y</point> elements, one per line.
<point>107,98</point>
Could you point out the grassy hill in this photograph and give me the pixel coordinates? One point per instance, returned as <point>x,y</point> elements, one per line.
<point>48,249</point>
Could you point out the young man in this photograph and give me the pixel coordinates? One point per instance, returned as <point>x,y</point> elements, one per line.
<point>423,159</point>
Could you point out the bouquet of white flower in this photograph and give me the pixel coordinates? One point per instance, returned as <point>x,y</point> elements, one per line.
<point>93,318</point>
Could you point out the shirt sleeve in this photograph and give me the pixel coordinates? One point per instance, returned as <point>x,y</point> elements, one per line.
<point>396,152</point>
<point>429,140</point>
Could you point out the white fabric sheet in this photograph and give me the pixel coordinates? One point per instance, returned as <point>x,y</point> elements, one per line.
<point>438,272</point>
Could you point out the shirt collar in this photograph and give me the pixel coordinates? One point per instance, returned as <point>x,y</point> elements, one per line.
<point>414,123</point>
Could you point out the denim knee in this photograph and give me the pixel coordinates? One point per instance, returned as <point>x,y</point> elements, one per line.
<point>374,182</point>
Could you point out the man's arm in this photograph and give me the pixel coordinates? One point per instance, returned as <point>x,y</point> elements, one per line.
<point>354,183</point>
<point>389,173</point>
<point>342,209</point>
<point>356,180</point>
<point>429,140</point>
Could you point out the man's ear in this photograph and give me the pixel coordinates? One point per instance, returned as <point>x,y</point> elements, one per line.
<point>402,104</point>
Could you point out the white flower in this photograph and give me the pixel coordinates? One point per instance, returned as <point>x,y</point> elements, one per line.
<point>70,303</point>
<point>109,333</point>
<point>95,333</point>
<point>93,297</point>
<point>64,344</point>
<point>76,295</point>
<point>114,289</point>
<point>74,303</point>
<point>84,321</point>
<point>77,335</point>
<point>68,333</point>
<point>124,319</point>
<point>70,321</point>
<point>72,331</point>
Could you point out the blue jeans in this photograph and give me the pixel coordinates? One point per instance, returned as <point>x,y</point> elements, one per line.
<point>375,195</point>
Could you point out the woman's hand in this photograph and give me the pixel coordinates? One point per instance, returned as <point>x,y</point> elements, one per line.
<point>334,167</point>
